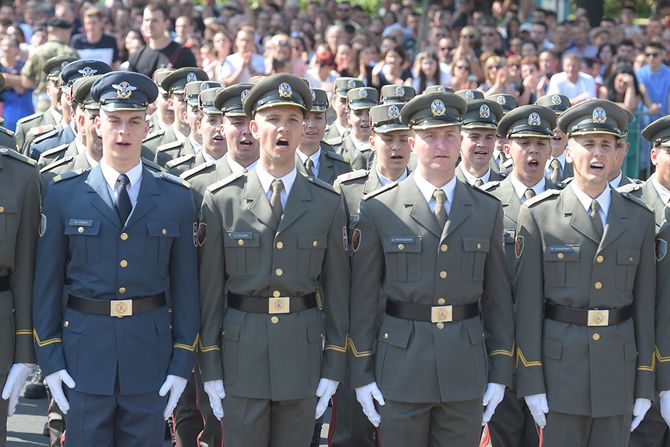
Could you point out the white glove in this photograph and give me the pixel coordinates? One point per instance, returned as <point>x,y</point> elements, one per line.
<point>175,385</point>
<point>365,395</point>
<point>324,392</point>
<point>665,405</point>
<point>55,383</point>
<point>15,380</point>
<point>216,393</point>
<point>492,397</point>
<point>639,410</point>
<point>538,406</point>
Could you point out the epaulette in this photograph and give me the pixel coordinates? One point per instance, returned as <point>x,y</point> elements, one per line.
<point>221,183</point>
<point>321,183</point>
<point>177,161</point>
<point>32,117</point>
<point>630,187</point>
<point>151,165</point>
<point>480,190</point>
<point>489,185</point>
<point>153,135</point>
<point>334,156</point>
<point>55,164</point>
<point>378,191</point>
<point>41,130</point>
<point>166,146</point>
<point>336,141</point>
<point>563,183</point>
<point>353,175</point>
<point>508,164</point>
<point>637,180</point>
<point>195,170</point>
<point>326,147</point>
<point>6,131</point>
<point>635,200</point>
<point>55,150</point>
<point>174,179</point>
<point>45,136</point>
<point>17,155</point>
<point>540,197</point>
<point>68,175</point>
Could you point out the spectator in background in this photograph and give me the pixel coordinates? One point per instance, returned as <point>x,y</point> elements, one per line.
<point>561,38</point>
<point>580,42</point>
<point>655,77</point>
<point>606,54</point>
<point>625,51</point>
<point>183,29</point>
<point>538,34</point>
<point>445,51</point>
<point>392,71</point>
<point>460,74</point>
<point>362,61</point>
<point>221,46</point>
<point>94,43</point>
<point>622,88</point>
<point>571,82</point>
<point>245,62</point>
<point>427,71</point>
<point>18,102</point>
<point>321,75</point>
<point>342,57</point>
<point>299,55</point>
<point>132,43</point>
<point>492,65</point>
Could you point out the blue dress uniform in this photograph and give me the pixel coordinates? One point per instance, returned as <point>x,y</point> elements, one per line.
<point>119,358</point>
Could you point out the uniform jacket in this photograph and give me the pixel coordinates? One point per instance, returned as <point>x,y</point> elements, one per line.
<point>83,244</point>
<point>592,371</point>
<point>493,176</point>
<point>50,156</point>
<point>357,159</point>
<point>179,165</point>
<point>331,165</point>
<point>405,256</point>
<point>33,124</point>
<point>64,135</point>
<point>334,138</point>
<point>170,151</point>
<point>159,137</point>
<point>203,175</point>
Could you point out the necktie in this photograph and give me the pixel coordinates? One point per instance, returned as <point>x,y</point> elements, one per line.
<point>123,205</point>
<point>595,218</point>
<point>529,193</point>
<point>309,166</point>
<point>440,209</point>
<point>555,170</point>
<point>501,158</point>
<point>479,182</point>
<point>275,199</point>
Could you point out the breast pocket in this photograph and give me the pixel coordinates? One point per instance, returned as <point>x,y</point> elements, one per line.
<point>242,251</point>
<point>311,250</point>
<point>83,235</point>
<point>159,242</point>
<point>561,265</point>
<point>9,220</point>
<point>626,268</point>
<point>403,258</point>
<point>473,260</point>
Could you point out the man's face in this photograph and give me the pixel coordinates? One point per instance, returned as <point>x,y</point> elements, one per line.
<point>54,93</point>
<point>279,130</point>
<point>92,24</point>
<point>210,127</point>
<point>626,52</point>
<point>392,149</point>
<point>530,155</point>
<point>622,146</point>
<point>445,49</point>
<point>182,27</point>
<point>579,35</point>
<point>561,35</point>
<point>177,102</point>
<point>242,146</point>
<point>244,42</point>
<point>93,140</point>
<point>538,33</point>
<point>477,147</point>
<point>436,148</point>
<point>592,157</point>
<point>192,117</point>
<point>359,120</point>
<point>571,67</point>
<point>341,109</point>
<point>315,128</point>
<point>154,24</point>
<point>488,36</point>
<point>558,142</point>
<point>655,57</point>
<point>660,157</point>
<point>122,133</point>
<point>165,109</point>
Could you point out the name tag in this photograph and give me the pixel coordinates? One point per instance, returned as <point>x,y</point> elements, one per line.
<point>244,235</point>
<point>402,240</point>
<point>81,222</point>
<point>561,249</point>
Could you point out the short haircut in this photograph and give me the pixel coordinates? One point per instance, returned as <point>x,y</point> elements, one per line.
<point>159,6</point>
<point>95,12</point>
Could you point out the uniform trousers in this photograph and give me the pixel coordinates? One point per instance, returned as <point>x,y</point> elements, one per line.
<point>652,431</point>
<point>3,414</point>
<point>352,428</point>
<point>194,423</point>
<point>584,431</point>
<point>512,425</point>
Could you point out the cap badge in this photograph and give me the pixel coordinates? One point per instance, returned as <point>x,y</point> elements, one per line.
<point>534,119</point>
<point>599,115</point>
<point>285,90</point>
<point>123,90</point>
<point>313,94</point>
<point>351,84</point>
<point>191,77</point>
<point>484,111</point>
<point>437,108</point>
<point>362,93</point>
<point>87,71</point>
<point>441,89</point>
<point>393,112</point>
<point>556,100</point>
<point>400,91</point>
<point>244,95</point>
<point>469,95</point>
<point>501,100</point>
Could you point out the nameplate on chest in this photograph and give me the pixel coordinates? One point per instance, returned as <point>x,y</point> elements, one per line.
<point>561,249</point>
<point>244,235</point>
<point>81,222</point>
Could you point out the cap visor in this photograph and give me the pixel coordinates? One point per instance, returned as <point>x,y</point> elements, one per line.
<point>389,128</point>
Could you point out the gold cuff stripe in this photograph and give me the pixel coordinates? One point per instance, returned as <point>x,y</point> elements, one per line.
<point>337,348</point>
<point>24,332</point>
<point>188,347</point>
<point>356,352</point>
<point>661,358</point>
<point>207,348</point>
<point>501,352</point>
<point>525,362</point>
<point>44,343</point>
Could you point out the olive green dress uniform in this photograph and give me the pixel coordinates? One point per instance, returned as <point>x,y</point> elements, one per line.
<point>156,125</point>
<point>333,135</point>
<point>271,362</point>
<point>503,163</point>
<point>593,371</point>
<point>361,98</point>
<point>397,94</point>
<point>431,374</point>
<point>559,104</point>
<point>438,89</point>
<point>20,218</point>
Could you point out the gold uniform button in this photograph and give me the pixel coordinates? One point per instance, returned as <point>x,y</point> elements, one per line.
<point>440,325</point>
<point>631,259</point>
<point>124,236</point>
<point>122,290</point>
<point>164,231</point>
<point>441,301</point>
<point>66,323</point>
<point>595,336</point>
<point>2,209</point>
<point>315,243</point>
<point>123,263</point>
<point>276,294</point>
<point>279,272</point>
<point>279,245</point>
<point>444,248</point>
<point>386,336</point>
<point>443,274</point>
<point>600,259</point>
<point>274,320</point>
<point>479,246</point>
<point>560,256</point>
<point>240,242</point>
<point>80,229</point>
<point>598,285</point>
<point>401,246</point>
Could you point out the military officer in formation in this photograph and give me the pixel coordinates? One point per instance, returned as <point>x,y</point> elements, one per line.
<point>356,145</point>
<point>340,127</point>
<point>501,162</point>
<point>558,168</point>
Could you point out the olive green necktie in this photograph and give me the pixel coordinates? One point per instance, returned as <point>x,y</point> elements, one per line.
<point>479,182</point>
<point>275,199</point>
<point>529,193</point>
<point>309,166</point>
<point>440,209</point>
<point>555,170</point>
<point>595,218</point>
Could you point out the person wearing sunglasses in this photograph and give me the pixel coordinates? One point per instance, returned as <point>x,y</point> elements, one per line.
<point>655,77</point>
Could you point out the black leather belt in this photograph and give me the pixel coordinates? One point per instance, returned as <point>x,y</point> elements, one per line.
<point>4,283</point>
<point>587,317</point>
<point>434,314</point>
<point>272,305</point>
<point>116,308</point>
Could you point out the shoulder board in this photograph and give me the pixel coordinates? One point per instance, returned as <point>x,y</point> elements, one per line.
<point>155,134</point>
<point>55,164</point>
<point>6,131</point>
<point>509,163</point>
<point>490,185</point>
<point>32,117</point>
<point>562,184</point>
<point>167,146</point>
<point>630,187</point>
<point>321,183</point>
<point>635,200</point>
<point>637,181</point>
<point>44,136</point>
<point>221,183</point>
<point>540,197</point>
<point>14,154</point>
<point>151,165</point>
<point>41,130</point>
<point>55,150</point>
<point>193,171</point>
<point>177,161</point>
<point>481,191</point>
<point>378,191</point>
<point>358,173</point>
<point>334,156</point>
<point>336,141</point>
<point>68,175</point>
<point>174,179</point>
<point>326,147</point>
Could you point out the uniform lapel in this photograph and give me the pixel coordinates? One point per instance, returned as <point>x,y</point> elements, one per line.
<point>258,202</point>
<point>510,201</point>
<point>420,211</point>
<point>295,204</point>
<point>299,164</point>
<point>617,217</point>
<point>459,174</point>
<point>81,162</point>
<point>653,201</point>
<point>326,168</point>
<point>372,183</point>
<point>460,209</point>
<point>100,197</point>
<point>579,220</point>
<point>146,197</point>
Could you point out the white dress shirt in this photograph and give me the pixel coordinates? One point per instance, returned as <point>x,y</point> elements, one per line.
<point>662,191</point>
<point>385,181</point>
<point>604,200</point>
<point>316,159</point>
<point>471,179</point>
<point>520,188</point>
<point>266,180</point>
<point>427,189</point>
<point>236,167</point>
<point>112,175</point>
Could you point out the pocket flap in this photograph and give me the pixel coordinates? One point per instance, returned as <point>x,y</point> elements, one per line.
<point>395,334</point>
<point>74,322</point>
<point>561,253</point>
<point>630,257</point>
<point>163,229</point>
<point>476,244</point>
<point>629,351</point>
<point>402,244</point>
<point>312,241</point>
<point>82,227</point>
<point>476,334</point>
<point>231,331</point>
<point>242,239</point>
<point>552,348</point>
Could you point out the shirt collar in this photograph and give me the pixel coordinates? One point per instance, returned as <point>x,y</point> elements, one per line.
<point>560,158</point>
<point>111,175</point>
<point>57,116</point>
<point>316,156</point>
<point>472,179</point>
<point>197,147</point>
<point>266,179</point>
<point>617,181</point>
<point>662,191</point>
<point>520,188</point>
<point>340,128</point>
<point>427,189</point>
<point>604,199</point>
<point>209,159</point>
<point>180,136</point>
<point>360,145</point>
<point>91,162</point>
<point>81,148</point>
<point>236,167</point>
<point>385,181</point>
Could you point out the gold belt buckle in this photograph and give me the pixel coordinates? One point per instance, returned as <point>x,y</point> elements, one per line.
<point>279,305</point>
<point>441,314</point>
<point>121,308</point>
<point>599,318</point>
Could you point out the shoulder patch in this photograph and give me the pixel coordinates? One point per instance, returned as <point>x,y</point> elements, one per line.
<point>14,154</point>
<point>57,163</point>
<point>637,181</point>
<point>562,184</point>
<point>168,146</point>
<point>480,190</point>
<point>490,185</point>
<point>358,173</point>
<point>334,156</point>
<point>68,175</point>
<point>32,117</point>
<point>378,191</point>
<point>55,150</point>
<point>45,136</point>
<point>508,164</point>
<point>155,134</point>
<point>542,196</point>
<point>195,170</point>
<point>151,165</point>
<point>321,183</point>
<point>221,183</point>
<point>635,200</point>
<point>6,131</point>
<point>177,161</point>
<point>630,187</point>
<point>174,179</point>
